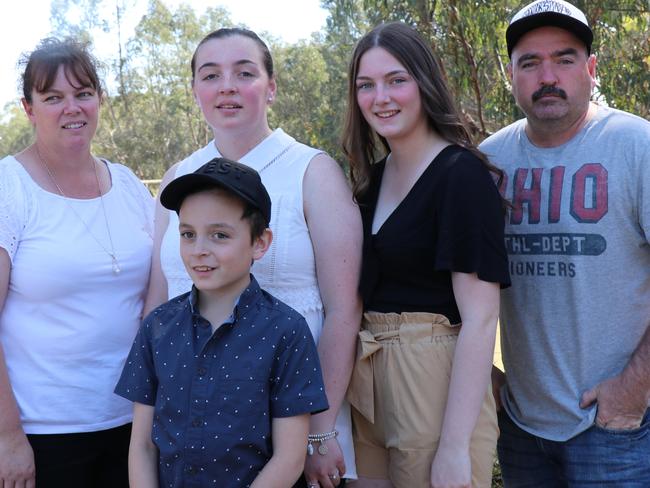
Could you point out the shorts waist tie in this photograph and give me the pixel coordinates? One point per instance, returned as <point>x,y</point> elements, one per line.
<point>371,343</point>
<point>384,328</point>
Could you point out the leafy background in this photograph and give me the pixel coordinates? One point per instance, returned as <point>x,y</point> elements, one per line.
<point>150,120</point>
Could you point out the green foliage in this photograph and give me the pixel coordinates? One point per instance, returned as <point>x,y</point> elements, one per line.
<point>15,130</point>
<point>301,77</point>
<point>468,38</point>
<point>153,121</point>
<point>623,47</point>
<point>84,18</point>
<point>347,22</point>
<point>150,119</point>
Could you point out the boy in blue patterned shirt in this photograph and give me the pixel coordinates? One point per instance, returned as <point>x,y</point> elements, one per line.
<point>223,377</point>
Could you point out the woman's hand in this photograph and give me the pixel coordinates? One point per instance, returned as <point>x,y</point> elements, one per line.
<point>451,468</point>
<point>16,460</point>
<point>326,469</point>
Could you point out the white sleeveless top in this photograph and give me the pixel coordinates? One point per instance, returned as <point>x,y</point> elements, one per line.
<point>288,269</point>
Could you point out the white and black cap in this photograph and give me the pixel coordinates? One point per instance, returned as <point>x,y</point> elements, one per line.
<point>542,13</point>
<point>235,177</point>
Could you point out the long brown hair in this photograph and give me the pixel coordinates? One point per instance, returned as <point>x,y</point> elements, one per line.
<point>361,144</point>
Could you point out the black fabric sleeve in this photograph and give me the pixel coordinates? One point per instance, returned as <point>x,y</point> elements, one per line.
<point>470,221</point>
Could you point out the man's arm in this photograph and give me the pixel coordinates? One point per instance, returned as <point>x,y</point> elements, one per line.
<point>623,399</point>
<point>16,456</point>
<point>285,466</point>
<point>143,453</point>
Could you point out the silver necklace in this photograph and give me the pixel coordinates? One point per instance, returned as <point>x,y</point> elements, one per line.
<point>111,253</point>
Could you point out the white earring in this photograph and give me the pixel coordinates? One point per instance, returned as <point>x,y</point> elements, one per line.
<point>270,99</point>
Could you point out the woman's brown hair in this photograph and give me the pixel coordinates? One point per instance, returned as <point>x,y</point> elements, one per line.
<point>361,144</point>
<point>42,66</point>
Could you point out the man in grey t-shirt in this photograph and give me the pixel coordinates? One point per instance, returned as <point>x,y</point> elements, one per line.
<point>575,323</point>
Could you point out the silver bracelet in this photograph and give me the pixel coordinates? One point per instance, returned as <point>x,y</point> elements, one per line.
<point>320,438</point>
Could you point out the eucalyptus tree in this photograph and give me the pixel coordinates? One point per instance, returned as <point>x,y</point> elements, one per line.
<point>468,39</point>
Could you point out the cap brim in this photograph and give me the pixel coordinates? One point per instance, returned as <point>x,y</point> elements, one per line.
<point>519,28</point>
<point>178,190</point>
<point>175,192</point>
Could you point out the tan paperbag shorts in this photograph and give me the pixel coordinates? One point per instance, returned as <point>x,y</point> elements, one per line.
<point>398,394</point>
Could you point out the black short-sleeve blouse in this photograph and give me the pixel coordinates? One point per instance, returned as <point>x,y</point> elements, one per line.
<point>451,220</point>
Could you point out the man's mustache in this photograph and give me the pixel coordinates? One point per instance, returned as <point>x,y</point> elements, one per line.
<point>549,90</point>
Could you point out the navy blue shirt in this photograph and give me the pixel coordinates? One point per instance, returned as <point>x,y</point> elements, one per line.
<point>216,394</point>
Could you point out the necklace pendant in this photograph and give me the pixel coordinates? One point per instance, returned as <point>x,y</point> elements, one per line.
<point>116,266</point>
<point>115,263</point>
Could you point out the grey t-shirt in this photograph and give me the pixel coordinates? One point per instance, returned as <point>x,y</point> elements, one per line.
<point>578,243</point>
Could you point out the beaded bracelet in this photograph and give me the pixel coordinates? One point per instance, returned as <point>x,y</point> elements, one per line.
<point>320,438</point>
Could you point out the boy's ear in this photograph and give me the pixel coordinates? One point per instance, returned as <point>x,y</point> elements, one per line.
<point>262,244</point>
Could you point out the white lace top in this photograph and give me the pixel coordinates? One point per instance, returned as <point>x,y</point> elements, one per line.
<point>288,269</point>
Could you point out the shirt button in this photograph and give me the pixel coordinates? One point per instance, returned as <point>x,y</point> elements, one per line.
<point>197,423</point>
<point>201,371</point>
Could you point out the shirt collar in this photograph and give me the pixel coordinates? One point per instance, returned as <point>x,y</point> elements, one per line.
<point>247,297</point>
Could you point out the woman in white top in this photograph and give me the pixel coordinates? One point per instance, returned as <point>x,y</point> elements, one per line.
<point>313,264</point>
<point>75,250</point>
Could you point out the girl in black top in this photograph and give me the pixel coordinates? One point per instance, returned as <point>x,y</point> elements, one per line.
<point>434,258</point>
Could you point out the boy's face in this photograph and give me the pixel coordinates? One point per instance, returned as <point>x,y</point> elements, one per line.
<point>215,243</point>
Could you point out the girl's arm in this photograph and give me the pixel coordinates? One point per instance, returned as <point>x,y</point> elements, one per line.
<point>478,304</point>
<point>334,223</point>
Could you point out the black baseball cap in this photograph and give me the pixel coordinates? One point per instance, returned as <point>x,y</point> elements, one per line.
<point>235,177</point>
<point>541,13</point>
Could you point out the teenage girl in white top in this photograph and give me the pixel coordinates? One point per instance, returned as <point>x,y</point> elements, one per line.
<point>314,263</point>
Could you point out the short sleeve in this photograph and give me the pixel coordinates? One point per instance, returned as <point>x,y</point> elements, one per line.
<point>13,206</point>
<point>138,195</point>
<point>471,220</point>
<point>138,381</point>
<point>296,380</point>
